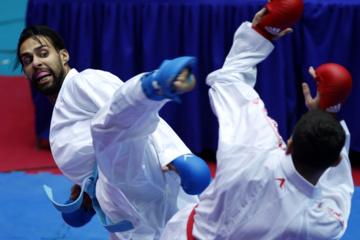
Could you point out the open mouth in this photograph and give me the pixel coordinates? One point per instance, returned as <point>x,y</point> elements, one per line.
<point>42,76</point>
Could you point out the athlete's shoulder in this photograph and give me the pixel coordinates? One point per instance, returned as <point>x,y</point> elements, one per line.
<point>99,75</point>
<point>327,221</point>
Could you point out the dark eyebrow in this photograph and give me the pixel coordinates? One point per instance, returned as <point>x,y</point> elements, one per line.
<point>36,49</point>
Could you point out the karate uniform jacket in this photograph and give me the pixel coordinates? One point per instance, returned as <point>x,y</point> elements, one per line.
<point>98,119</point>
<point>257,193</point>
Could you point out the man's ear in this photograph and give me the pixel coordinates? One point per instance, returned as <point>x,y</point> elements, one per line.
<point>289,147</point>
<point>338,161</point>
<point>64,56</point>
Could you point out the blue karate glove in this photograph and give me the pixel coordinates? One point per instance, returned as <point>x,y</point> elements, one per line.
<point>194,173</point>
<point>162,80</point>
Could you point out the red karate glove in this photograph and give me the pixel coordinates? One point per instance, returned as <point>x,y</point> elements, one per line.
<point>335,83</point>
<point>281,15</point>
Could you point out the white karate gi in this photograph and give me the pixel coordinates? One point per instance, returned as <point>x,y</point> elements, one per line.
<point>98,118</point>
<point>257,193</point>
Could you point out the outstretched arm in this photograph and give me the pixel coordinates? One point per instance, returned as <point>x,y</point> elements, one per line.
<point>336,182</point>
<point>240,111</point>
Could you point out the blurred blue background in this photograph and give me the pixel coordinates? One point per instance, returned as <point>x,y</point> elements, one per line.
<point>12,22</point>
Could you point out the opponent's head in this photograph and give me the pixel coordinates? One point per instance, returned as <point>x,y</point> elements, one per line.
<point>335,83</point>
<point>43,57</point>
<point>317,141</point>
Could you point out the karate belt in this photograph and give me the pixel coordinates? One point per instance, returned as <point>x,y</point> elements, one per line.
<point>190,225</point>
<point>68,208</point>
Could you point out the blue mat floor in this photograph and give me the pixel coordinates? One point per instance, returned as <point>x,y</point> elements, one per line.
<point>26,213</point>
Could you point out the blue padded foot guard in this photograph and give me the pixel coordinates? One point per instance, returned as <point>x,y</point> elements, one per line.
<point>194,173</point>
<point>74,214</point>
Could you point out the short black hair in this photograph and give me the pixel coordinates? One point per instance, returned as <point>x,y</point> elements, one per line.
<point>318,138</point>
<point>39,30</point>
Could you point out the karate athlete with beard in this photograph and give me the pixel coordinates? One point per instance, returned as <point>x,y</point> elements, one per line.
<point>98,119</point>
<point>264,189</point>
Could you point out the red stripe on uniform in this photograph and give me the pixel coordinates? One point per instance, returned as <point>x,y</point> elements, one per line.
<point>190,224</point>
